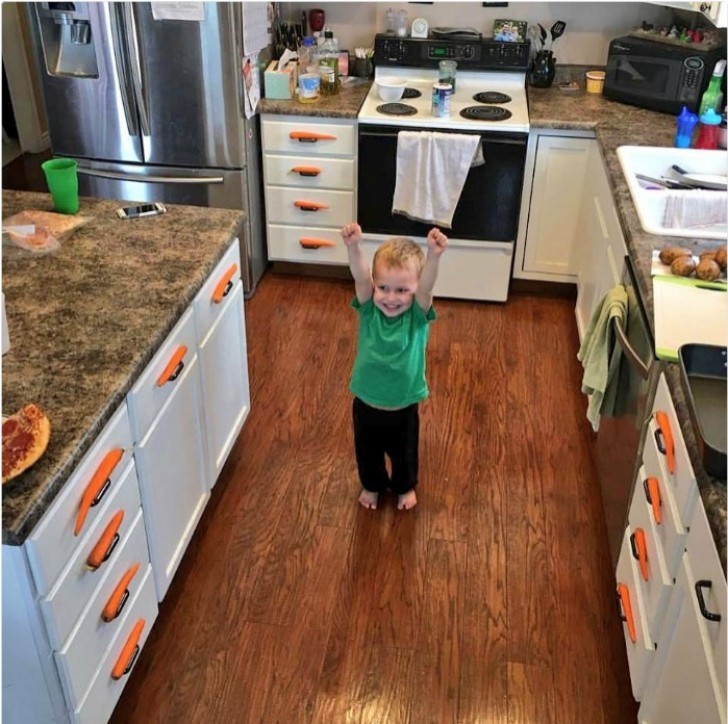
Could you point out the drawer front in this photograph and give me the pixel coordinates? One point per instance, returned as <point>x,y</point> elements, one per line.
<point>307,138</point>
<point>77,583</point>
<point>682,478</point>
<point>105,690</point>
<point>80,657</point>
<point>641,651</point>
<point>705,564</point>
<point>309,172</point>
<point>284,243</point>
<point>670,531</point>
<point>658,585</point>
<point>332,208</point>
<point>210,300</point>
<point>53,541</point>
<point>148,396</point>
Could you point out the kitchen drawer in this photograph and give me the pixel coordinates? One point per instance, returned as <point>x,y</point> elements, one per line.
<point>658,584</point>
<point>210,300</point>
<point>77,583</point>
<point>641,651</point>
<point>705,565</point>
<point>105,690</point>
<point>682,477</point>
<point>671,532</point>
<point>148,396</point>
<point>284,243</point>
<point>53,542</point>
<point>281,206</point>
<point>330,138</point>
<point>79,659</point>
<point>309,172</point>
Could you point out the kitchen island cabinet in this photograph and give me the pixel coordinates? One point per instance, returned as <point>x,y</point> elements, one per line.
<point>88,324</point>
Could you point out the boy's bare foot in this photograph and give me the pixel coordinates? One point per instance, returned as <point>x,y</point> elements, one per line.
<point>407,501</point>
<point>369,499</point>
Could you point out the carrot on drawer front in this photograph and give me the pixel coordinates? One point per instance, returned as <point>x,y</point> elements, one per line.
<point>100,479</point>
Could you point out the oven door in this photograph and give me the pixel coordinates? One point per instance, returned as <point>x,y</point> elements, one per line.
<point>489,204</point>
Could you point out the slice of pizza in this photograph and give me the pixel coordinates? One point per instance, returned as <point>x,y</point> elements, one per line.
<point>25,438</point>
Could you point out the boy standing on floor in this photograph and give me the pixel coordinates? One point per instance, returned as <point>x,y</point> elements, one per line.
<point>394,304</point>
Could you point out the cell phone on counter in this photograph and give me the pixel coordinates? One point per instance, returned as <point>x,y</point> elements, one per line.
<point>136,212</point>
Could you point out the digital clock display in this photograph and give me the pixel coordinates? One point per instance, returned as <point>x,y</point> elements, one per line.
<point>438,51</point>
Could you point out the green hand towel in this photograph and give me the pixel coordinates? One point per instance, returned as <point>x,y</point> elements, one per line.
<point>600,355</point>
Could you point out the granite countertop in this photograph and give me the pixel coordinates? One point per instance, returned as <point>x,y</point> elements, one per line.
<point>617,124</point>
<point>345,104</point>
<point>85,320</point>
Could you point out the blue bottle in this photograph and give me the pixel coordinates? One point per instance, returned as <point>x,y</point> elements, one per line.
<point>686,123</point>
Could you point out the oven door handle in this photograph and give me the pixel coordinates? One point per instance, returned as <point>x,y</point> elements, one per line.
<point>490,139</point>
<point>632,357</point>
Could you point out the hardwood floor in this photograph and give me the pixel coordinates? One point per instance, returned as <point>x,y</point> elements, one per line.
<point>492,601</point>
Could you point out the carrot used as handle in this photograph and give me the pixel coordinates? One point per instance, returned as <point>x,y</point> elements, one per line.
<point>174,366</point>
<point>623,593</point>
<point>224,285</point>
<point>109,538</point>
<point>663,421</point>
<point>118,598</point>
<point>100,478</point>
<point>129,652</point>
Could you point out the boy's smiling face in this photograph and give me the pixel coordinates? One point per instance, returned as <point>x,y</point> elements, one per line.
<point>394,288</point>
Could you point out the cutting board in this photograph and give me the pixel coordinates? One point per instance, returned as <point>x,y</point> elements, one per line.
<point>688,310</point>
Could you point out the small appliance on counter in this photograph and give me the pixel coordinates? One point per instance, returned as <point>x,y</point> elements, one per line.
<point>658,76</point>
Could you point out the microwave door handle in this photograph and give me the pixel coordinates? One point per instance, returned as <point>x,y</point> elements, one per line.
<point>122,63</point>
<point>139,178</point>
<point>132,42</point>
<point>632,357</point>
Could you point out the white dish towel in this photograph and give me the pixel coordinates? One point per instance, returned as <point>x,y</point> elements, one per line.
<point>431,172</point>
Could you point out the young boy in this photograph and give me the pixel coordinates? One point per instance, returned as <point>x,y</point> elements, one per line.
<point>394,303</point>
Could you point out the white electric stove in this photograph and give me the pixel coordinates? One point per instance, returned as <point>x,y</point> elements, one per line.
<point>489,101</point>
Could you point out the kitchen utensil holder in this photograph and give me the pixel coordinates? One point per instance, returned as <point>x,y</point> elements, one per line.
<point>543,69</point>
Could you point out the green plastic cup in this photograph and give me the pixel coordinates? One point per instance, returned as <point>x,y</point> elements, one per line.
<point>62,182</point>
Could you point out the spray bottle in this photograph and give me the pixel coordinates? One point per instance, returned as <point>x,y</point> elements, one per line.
<point>712,97</point>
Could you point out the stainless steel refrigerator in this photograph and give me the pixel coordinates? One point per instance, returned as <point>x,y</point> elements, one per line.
<point>153,109</point>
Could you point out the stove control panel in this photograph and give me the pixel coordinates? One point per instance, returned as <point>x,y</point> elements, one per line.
<point>470,53</point>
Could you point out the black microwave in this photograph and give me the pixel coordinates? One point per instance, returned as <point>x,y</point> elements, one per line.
<point>659,76</point>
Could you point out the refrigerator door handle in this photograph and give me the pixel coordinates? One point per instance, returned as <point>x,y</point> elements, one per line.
<point>136,68</point>
<point>120,60</point>
<point>140,178</point>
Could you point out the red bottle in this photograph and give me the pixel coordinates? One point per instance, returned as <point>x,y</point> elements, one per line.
<point>316,19</point>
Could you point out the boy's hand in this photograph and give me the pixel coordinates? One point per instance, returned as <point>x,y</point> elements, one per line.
<point>436,241</point>
<point>351,234</point>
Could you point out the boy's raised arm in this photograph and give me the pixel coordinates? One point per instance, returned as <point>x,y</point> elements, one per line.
<point>436,245</point>
<point>351,234</point>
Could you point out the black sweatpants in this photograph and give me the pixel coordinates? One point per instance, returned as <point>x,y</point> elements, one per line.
<point>394,432</point>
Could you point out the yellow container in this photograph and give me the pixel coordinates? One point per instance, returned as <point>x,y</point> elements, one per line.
<point>595,81</point>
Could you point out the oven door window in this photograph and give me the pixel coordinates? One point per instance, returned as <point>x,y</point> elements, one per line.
<point>647,77</point>
<point>490,202</point>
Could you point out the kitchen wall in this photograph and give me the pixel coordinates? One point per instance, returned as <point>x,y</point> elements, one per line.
<point>590,25</point>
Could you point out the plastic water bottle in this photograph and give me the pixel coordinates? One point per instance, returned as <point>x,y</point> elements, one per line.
<point>686,123</point>
<point>390,21</point>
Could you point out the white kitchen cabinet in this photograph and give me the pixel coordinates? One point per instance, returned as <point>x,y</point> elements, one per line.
<point>170,449</point>
<point>548,241</point>
<point>53,639</point>
<point>686,683</point>
<point>601,250</point>
<point>715,10</point>
<point>310,186</point>
<point>225,387</point>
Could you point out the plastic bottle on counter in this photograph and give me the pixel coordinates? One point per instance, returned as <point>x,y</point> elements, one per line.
<point>708,130</point>
<point>713,96</point>
<point>307,56</point>
<point>328,62</point>
<point>686,123</point>
<point>402,23</point>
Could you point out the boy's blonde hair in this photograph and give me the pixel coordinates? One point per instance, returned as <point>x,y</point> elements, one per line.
<point>398,253</point>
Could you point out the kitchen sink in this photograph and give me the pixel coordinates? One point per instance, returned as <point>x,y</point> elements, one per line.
<point>691,213</point>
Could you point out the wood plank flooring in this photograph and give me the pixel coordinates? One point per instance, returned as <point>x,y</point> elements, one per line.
<point>492,601</point>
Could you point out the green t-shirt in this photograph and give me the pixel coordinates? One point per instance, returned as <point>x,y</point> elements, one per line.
<point>389,369</point>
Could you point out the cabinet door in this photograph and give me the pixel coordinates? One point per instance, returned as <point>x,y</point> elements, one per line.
<point>225,389</point>
<point>173,476</point>
<point>556,198</point>
<point>683,685</point>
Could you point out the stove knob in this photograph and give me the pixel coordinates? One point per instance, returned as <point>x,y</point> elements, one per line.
<point>468,51</point>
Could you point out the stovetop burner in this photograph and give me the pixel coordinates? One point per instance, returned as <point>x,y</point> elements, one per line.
<point>396,109</point>
<point>492,97</point>
<point>410,93</point>
<point>485,113</point>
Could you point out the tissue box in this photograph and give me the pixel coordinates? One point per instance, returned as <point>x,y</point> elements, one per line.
<point>279,84</point>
